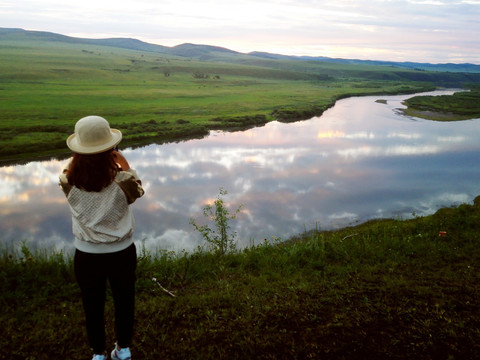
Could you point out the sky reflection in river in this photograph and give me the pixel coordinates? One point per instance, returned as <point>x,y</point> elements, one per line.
<point>360,160</point>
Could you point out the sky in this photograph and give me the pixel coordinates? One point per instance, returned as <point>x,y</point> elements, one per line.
<point>435,31</point>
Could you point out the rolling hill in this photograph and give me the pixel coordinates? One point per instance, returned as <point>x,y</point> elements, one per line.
<point>216,53</point>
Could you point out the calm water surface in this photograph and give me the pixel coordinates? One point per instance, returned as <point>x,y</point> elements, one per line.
<point>359,160</point>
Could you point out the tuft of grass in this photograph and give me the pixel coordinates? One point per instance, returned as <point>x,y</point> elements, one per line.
<point>385,289</point>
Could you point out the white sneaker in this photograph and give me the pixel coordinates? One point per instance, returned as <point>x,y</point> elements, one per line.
<point>122,354</point>
<point>99,357</point>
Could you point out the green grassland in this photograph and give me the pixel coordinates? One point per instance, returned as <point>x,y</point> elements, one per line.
<point>386,289</point>
<point>46,86</point>
<point>459,106</point>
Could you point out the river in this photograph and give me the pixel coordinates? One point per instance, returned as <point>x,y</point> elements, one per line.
<point>360,160</point>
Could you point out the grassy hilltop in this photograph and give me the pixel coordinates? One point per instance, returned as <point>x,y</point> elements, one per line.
<point>387,289</point>
<point>48,82</point>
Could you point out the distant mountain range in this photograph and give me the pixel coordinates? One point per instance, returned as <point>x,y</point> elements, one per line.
<point>215,53</point>
<point>465,67</point>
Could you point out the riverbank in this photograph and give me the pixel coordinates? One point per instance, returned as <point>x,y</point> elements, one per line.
<point>462,105</point>
<point>386,289</point>
<point>49,140</point>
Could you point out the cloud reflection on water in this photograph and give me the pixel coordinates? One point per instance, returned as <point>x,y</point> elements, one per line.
<point>358,161</point>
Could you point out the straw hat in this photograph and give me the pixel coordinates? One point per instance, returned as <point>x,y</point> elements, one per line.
<point>93,135</point>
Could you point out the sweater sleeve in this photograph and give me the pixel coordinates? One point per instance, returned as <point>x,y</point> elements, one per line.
<point>130,183</point>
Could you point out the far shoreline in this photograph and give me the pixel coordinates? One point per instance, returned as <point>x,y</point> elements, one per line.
<point>436,115</point>
<point>461,105</point>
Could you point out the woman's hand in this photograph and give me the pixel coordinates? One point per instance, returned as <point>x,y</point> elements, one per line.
<point>120,160</point>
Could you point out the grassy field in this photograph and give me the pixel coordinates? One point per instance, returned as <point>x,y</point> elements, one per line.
<point>386,289</point>
<point>459,106</point>
<point>45,87</point>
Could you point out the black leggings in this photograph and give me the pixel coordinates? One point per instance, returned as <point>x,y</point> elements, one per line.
<point>92,272</point>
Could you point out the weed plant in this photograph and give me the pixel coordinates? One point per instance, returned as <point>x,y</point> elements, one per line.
<point>386,289</point>
<point>220,239</point>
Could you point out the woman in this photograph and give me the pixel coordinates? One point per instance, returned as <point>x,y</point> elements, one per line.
<point>100,185</point>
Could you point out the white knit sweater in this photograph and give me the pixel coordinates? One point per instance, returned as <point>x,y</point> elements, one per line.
<point>103,222</point>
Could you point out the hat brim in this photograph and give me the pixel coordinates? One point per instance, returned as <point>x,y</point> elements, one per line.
<point>75,146</point>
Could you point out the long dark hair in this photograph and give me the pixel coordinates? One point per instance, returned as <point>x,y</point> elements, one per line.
<point>92,172</point>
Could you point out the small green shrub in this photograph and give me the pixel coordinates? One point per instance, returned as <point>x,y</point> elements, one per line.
<point>220,239</point>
